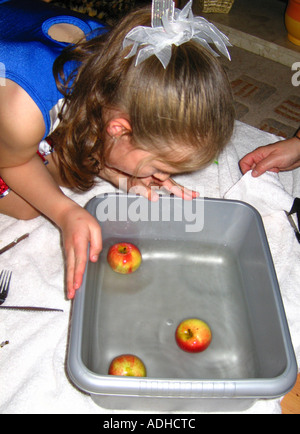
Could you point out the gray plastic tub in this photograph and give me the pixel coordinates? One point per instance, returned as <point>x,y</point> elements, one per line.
<point>208,259</point>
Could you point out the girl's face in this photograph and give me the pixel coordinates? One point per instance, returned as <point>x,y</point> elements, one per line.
<point>137,162</point>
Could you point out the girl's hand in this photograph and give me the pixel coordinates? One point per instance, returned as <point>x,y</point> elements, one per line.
<point>146,186</point>
<point>277,157</point>
<point>79,229</point>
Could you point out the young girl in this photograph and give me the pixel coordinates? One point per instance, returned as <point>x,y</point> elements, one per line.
<point>119,119</point>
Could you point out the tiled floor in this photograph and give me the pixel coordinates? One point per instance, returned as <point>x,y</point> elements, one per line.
<point>264,94</point>
<point>258,26</point>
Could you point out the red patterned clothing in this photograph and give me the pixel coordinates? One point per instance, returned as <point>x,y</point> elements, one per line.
<point>4,189</point>
<point>45,148</point>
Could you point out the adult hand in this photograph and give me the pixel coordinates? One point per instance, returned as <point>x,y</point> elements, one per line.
<point>277,157</point>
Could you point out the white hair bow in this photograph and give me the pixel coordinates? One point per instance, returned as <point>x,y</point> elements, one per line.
<point>177,28</point>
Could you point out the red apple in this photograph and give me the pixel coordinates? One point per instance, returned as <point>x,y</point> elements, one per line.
<point>127,365</point>
<point>193,335</point>
<point>124,258</point>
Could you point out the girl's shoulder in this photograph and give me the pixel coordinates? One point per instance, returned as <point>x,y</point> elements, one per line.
<point>21,122</point>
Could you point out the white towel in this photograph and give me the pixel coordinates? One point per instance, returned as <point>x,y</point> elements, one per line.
<point>32,367</point>
<point>265,193</point>
<point>269,197</point>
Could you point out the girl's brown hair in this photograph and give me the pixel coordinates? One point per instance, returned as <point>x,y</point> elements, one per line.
<point>183,114</point>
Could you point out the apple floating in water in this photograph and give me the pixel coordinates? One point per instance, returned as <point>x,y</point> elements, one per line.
<point>193,335</point>
<point>127,365</point>
<point>124,258</point>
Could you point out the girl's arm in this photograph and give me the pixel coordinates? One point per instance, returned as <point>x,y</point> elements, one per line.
<point>21,129</point>
<point>33,183</point>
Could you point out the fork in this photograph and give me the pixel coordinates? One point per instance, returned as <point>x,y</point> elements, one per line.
<point>5,278</point>
<point>159,7</point>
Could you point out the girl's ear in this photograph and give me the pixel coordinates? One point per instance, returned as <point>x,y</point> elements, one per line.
<point>118,127</point>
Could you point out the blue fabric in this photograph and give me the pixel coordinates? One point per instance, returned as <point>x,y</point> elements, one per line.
<point>27,52</point>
